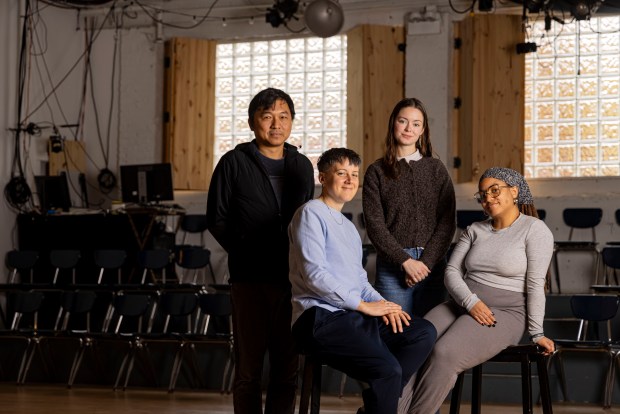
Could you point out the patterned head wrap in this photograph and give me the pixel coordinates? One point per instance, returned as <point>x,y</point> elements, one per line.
<point>513,179</point>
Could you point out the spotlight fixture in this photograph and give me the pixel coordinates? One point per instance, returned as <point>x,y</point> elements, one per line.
<point>485,5</point>
<point>324,18</point>
<point>281,12</point>
<point>581,10</point>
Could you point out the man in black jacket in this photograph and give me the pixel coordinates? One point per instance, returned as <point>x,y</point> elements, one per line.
<point>255,190</point>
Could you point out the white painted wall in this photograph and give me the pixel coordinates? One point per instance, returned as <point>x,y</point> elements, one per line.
<point>136,127</point>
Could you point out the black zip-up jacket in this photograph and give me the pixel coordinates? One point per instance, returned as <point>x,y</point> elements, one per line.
<point>243,213</point>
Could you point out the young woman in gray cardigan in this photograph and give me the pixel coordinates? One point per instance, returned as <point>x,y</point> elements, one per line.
<point>496,277</point>
<point>409,209</point>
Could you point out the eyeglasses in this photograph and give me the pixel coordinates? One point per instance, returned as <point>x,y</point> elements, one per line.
<point>494,191</point>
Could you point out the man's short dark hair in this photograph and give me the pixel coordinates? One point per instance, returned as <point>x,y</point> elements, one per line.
<point>265,100</point>
<point>334,155</point>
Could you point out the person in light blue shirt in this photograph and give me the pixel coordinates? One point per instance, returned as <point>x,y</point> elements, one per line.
<point>337,315</point>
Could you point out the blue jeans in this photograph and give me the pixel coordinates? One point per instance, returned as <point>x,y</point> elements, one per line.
<point>415,300</point>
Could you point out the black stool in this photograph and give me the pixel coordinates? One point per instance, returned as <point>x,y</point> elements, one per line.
<point>311,385</point>
<point>526,355</point>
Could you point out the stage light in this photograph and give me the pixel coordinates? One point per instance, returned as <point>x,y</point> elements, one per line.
<point>281,12</point>
<point>485,5</point>
<point>324,18</point>
<point>581,10</point>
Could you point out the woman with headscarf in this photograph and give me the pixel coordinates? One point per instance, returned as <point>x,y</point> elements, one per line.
<point>496,278</point>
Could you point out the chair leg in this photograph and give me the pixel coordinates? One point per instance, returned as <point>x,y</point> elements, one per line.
<point>176,367</point>
<point>212,272</point>
<point>557,272</point>
<point>77,361</point>
<point>306,387</point>
<point>526,387</point>
<point>25,362</point>
<point>315,403</point>
<point>543,382</point>
<point>609,381</point>
<point>121,370</point>
<point>457,392</point>
<point>343,381</point>
<point>562,376</point>
<point>476,390</point>
<point>38,348</point>
<point>229,374</point>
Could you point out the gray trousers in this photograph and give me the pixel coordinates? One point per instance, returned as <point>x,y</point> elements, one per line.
<point>462,343</point>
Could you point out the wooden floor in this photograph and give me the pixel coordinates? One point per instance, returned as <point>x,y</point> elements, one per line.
<point>35,399</point>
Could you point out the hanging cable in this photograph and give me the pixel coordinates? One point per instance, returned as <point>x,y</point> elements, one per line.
<point>17,192</point>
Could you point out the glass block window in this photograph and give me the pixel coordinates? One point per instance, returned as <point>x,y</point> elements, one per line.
<point>313,71</point>
<point>572,100</point>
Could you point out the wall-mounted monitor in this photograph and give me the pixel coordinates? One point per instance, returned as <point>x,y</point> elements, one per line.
<point>146,183</point>
<point>53,192</point>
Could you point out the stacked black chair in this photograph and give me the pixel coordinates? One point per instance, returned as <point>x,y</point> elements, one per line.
<point>193,224</point>
<point>153,261</point>
<point>465,218</point>
<point>611,263</point>
<point>192,259</point>
<point>127,316</point>
<point>212,305</point>
<point>578,218</point>
<point>73,304</point>
<point>109,260</point>
<point>588,309</point>
<point>173,306</point>
<point>617,215</point>
<point>23,307</point>
<point>542,213</point>
<point>64,260</point>
<point>21,261</point>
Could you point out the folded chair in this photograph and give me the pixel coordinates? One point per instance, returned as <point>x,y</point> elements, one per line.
<point>126,317</point>
<point>212,305</point>
<point>64,260</point>
<point>72,320</point>
<point>176,309</point>
<point>109,260</point>
<point>578,218</point>
<point>23,308</point>
<point>152,261</point>
<point>611,264</point>
<point>21,261</point>
<point>192,259</point>
<point>594,310</point>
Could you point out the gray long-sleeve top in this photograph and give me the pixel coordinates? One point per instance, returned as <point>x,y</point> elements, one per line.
<point>515,258</point>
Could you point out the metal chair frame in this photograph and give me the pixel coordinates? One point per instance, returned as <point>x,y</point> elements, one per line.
<point>109,260</point>
<point>20,261</point>
<point>152,260</point>
<point>594,309</point>
<point>194,258</point>
<point>171,305</point>
<point>63,260</point>
<point>578,218</point>
<point>526,355</point>
<point>210,305</point>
